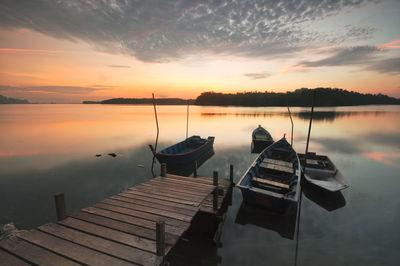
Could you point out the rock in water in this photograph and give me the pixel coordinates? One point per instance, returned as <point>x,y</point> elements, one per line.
<point>112,154</point>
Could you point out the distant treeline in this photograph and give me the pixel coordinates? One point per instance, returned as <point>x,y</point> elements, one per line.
<point>299,97</point>
<point>160,101</point>
<point>5,100</point>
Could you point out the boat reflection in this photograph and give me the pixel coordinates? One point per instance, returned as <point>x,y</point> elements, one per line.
<point>330,201</point>
<point>188,169</point>
<point>284,225</point>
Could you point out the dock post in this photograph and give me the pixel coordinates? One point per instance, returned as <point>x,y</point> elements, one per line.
<point>215,178</point>
<point>160,240</point>
<point>215,194</point>
<point>60,206</point>
<point>195,169</point>
<point>231,174</point>
<point>163,169</point>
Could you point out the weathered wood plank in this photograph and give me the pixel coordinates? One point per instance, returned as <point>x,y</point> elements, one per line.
<point>185,182</point>
<point>278,162</point>
<point>199,179</point>
<point>127,253</point>
<point>158,212</point>
<point>170,184</point>
<point>178,231</point>
<point>123,227</point>
<point>68,249</point>
<point>159,202</point>
<point>179,184</point>
<point>8,259</point>
<point>173,188</point>
<point>155,205</point>
<point>146,195</point>
<point>34,254</point>
<point>143,215</point>
<point>270,182</point>
<point>110,234</point>
<point>164,193</point>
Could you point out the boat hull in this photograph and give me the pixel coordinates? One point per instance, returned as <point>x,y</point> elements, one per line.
<point>188,157</point>
<point>258,146</point>
<point>266,201</point>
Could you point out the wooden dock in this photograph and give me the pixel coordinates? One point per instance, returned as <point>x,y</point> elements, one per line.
<point>138,226</point>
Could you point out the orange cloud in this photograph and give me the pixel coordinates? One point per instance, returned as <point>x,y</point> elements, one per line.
<point>383,157</point>
<point>29,51</point>
<point>389,45</point>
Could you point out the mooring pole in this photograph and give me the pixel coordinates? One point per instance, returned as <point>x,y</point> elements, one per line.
<point>160,240</point>
<point>302,178</point>
<point>195,169</point>
<point>187,120</point>
<point>291,121</point>
<point>60,206</point>
<point>231,174</point>
<point>215,195</point>
<point>158,131</point>
<point>163,169</point>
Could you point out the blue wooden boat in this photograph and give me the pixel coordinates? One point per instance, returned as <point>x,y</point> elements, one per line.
<point>184,152</point>
<point>273,179</point>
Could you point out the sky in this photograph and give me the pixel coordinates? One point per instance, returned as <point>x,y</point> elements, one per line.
<point>69,51</point>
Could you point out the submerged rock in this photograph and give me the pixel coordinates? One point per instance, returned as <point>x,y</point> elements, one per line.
<point>8,230</point>
<point>112,154</point>
<point>98,155</point>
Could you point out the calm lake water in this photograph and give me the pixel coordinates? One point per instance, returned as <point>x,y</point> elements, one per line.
<point>47,149</point>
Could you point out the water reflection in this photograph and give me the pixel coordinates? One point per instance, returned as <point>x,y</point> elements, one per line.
<point>324,116</point>
<point>330,201</point>
<point>284,225</point>
<point>27,197</point>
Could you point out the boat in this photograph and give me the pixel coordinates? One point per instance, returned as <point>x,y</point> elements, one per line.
<point>260,139</point>
<point>322,172</point>
<point>273,179</point>
<point>185,151</point>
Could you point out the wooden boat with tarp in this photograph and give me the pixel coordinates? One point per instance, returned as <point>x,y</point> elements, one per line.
<point>273,179</point>
<point>185,151</point>
<point>320,171</point>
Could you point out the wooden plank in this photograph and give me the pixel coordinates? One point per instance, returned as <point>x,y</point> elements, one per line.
<point>155,205</point>
<point>278,162</point>
<point>123,227</point>
<point>181,185</point>
<point>157,201</point>
<point>178,231</point>
<point>185,182</point>
<point>202,180</point>
<point>158,212</point>
<point>110,234</point>
<point>173,188</point>
<point>269,182</point>
<point>145,195</point>
<point>168,192</point>
<point>277,167</point>
<point>143,215</point>
<point>124,252</point>
<point>34,254</point>
<point>68,249</point>
<point>8,259</point>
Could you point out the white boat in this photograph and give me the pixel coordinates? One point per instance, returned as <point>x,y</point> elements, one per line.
<point>320,171</point>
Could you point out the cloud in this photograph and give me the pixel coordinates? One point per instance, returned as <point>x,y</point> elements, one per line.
<point>159,31</point>
<point>345,56</point>
<point>390,45</point>
<point>261,75</point>
<point>389,66</point>
<point>51,89</point>
<point>119,66</point>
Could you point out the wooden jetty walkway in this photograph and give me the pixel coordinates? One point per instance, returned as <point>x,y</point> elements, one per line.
<point>138,226</point>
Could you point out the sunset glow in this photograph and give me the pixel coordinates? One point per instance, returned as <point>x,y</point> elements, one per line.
<point>68,52</point>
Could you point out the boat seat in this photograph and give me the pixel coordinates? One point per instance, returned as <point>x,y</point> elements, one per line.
<point>269,182</point>
<point>277,167</point>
